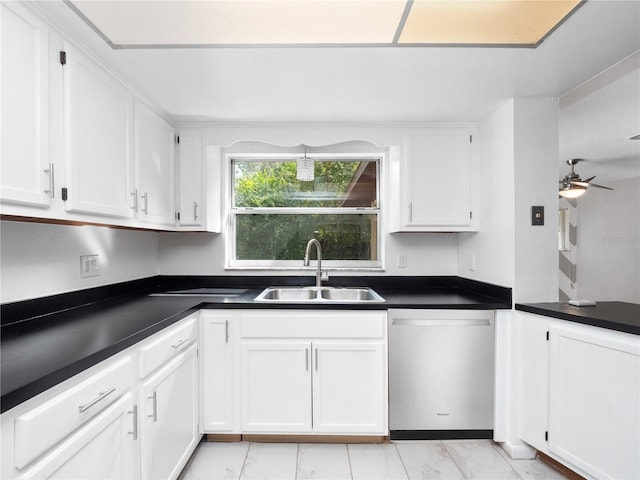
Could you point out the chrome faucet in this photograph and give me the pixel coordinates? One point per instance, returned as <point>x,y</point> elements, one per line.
<point>315,242</point>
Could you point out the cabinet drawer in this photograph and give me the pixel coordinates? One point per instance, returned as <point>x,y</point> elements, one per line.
<point>166,345</point>
<point>313,324</point>
<point>42,427</point>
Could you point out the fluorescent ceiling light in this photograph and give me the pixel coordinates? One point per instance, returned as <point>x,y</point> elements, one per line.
<point>480,22</point>
<point>156,23</point>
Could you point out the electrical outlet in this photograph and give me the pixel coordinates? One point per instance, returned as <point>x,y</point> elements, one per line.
<point>472,262</point>
<point>89,266</point>
<point>402,260</point>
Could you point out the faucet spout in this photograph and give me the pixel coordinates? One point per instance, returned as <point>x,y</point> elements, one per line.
<point>315,242</point>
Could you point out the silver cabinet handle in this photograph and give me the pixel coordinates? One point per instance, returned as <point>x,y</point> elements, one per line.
<point>101,395</point>
<point>50,172</point>
<point>226,331</point>
<point>195,210</point>
<point>316,359</point>
<point>180,343</point>
<point>306,358</point>
<point>145,196</point>
<point>154,398</point>
<point>134,194</point>
<point>410,211</point>
<point>135,422</point>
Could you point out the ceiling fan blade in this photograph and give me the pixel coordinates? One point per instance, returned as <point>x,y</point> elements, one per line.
<point>589,179</point>
<point>584,184</point>
<point>600,186</point>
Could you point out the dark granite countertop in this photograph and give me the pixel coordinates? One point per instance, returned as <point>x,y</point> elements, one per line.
<point>46,341</point>
<point>619,316</point>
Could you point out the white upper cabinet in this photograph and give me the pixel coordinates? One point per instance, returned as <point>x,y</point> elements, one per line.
<point>153,192</point>
<point>26,175</point>
<point>190,178</point>
<point>98,144</point>
<point>198,183</point>
<point>432,181</point>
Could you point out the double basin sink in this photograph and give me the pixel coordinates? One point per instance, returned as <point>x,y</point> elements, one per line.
<point>318,295</point>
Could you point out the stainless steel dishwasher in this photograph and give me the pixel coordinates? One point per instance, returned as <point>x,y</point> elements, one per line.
<point>441,365</point>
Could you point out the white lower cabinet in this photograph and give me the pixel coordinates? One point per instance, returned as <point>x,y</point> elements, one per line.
<point>579,395</point>
<point>348,387</point>
<point>169,417</point>
<point>102,449</point>
<point>276,387</point>
<point>218,372</point>
<point>334,381</point>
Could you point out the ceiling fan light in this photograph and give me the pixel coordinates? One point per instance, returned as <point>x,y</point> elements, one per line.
<point>305,169</point>
<point>572,192</point>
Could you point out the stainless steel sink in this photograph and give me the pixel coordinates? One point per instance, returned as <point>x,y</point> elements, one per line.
<point>318,295</point>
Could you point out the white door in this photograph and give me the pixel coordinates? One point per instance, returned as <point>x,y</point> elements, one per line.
<point>349,387</point>
<point>154,167</point>
<point>217,373</point>
<point>594,401</point>
<point>98,126</point>
<point>26,175</point>
<point>276,386</point>
<point>169,417</point>
<point>190,172</point>
<point>533,378</point>
<point>437,177</point>
<point>105,448</point>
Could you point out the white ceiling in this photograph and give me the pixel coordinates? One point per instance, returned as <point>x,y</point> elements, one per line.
<point>372,84</point>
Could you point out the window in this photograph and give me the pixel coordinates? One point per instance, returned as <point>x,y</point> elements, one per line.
<point>273,215</point>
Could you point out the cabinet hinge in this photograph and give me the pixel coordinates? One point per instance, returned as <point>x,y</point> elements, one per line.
<point>65,194</point>
<point>178,139</point>
<point>546,436</point>
<point>547,335</point>
<point>63,57</point>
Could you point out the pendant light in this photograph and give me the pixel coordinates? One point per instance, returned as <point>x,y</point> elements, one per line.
<point>305,168</point>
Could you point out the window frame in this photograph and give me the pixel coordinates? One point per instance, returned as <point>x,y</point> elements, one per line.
<point>367,265</point>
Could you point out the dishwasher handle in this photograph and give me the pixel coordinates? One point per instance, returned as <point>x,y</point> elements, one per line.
<point>441,322</point>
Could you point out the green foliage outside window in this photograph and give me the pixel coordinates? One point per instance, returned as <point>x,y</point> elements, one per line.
<point>283,236</point>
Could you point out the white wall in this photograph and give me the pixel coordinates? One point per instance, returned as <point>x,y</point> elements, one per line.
<point>493,246</point>
<point>608,266</point>
<point>198,254</point>
<point>39,259</point>
<point>536,183</point>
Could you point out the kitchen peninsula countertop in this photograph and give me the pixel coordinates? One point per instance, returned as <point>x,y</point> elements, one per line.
<point>48,340</point>
<point>619,316</point>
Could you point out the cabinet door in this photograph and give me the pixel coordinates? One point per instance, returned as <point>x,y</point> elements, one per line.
<point>276,387</point>
<point>98,125</point>
<point>349,387</point>
<point>436,176</point>
<point>190,177</point>
<point>217,373</point>
<point>170,417</point>
<point>105,448</point>
<point>533,379</point>
<point>26,175</point>
<point>594,402</point>
<point>154,167</point>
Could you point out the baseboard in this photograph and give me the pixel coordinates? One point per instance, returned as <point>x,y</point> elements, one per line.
<point>518,451</point>
<point>566,471</point>
<point>222,437</point>
<point>276,438</point>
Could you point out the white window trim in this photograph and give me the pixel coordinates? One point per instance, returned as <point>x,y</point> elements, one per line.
<point>294,265</point>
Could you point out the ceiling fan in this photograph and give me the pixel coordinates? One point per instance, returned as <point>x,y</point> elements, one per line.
<point>572,186</point>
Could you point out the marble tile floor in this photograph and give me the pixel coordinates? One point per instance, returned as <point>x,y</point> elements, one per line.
<point>406,460</point>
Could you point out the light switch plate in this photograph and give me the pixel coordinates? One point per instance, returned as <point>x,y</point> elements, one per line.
<point>537,215</point>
